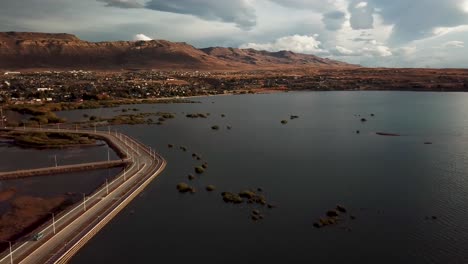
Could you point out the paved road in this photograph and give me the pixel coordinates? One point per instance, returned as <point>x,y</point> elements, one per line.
<point>61,169</point>
<point>77,225</point>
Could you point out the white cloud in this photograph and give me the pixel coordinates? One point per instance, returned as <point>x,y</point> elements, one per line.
<point>295,43</point>
<point>344,51</point>
<point>465,6</point>
<point>361,5</point>
<point>140,37</point>
<point>453,44</point>
<point>377,51</point>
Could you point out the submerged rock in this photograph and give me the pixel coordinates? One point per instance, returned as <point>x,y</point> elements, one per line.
<point>387,134</point>
<point>341,209</point>
<point>210,188</point>
<point>184,188</point>
<point>247,194</point>
<point>199,170</point>
<point>284,122</point>
<point>229,197</point>
<point>332,213</point>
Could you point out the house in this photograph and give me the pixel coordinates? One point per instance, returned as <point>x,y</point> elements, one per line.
<point>44,89</point>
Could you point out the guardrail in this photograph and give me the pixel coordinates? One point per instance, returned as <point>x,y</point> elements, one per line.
<point>122,140</point>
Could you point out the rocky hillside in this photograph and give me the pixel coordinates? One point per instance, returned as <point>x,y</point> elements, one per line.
<point>59,51</point>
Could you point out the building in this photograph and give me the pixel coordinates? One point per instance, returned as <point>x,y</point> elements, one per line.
<point>44,89</point>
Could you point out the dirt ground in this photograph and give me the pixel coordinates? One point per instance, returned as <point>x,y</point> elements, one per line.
<point>26,213</point>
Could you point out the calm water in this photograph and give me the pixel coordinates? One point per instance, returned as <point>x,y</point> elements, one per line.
<point>305,167</point>
<point>15,158</point>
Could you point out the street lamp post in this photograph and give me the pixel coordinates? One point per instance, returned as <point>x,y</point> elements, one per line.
<point>11,252</point>
<point>84,201</point>
<point>1,116</point>
<point>53,221</point>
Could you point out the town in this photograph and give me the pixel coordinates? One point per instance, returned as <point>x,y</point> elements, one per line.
<point>82,85</point>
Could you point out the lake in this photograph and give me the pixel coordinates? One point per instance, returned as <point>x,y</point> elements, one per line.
<point>392,185</point>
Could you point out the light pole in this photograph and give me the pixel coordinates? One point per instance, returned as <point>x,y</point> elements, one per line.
<point>1,116</point>
<point>55,158</point>
<point>53,221</point>
<point>84,201</point>
<point>107,187</point>
<point>11,252</point>
<point>108,155</point>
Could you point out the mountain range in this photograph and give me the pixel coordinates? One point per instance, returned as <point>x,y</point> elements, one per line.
<point>26,50</point>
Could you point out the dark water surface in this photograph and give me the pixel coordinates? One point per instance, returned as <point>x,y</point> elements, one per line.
<point>391,184</point>
<point>17,158</point>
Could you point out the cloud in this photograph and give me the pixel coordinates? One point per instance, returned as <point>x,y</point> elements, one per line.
<point>453,44</point>
<point>342,51</point>
<point>361,15</point>
<point>417,19</point>
<point>295,43</point>
<point>361,5</point>
<point>375,49</point>
<point>334,20</point>
<point>122,3</point>
<point>239,12</point>
<point>141,37</point>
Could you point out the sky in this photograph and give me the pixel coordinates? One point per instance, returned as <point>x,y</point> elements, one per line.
<point>374,33</point>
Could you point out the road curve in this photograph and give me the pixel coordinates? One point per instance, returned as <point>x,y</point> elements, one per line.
<point>76,226</point>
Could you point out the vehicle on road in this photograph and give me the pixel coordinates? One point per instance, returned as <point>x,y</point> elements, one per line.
<point>38,236</point>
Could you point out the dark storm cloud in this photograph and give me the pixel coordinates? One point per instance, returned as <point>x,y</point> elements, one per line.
<point>412,20</point>
<point>334,20</point>
<point>239,12</point>
<point>122,3</point>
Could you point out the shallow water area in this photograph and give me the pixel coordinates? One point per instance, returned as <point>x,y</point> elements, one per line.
<point>393,185</point>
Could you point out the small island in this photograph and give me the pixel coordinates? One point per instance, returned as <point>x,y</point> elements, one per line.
<point>49,139</point>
